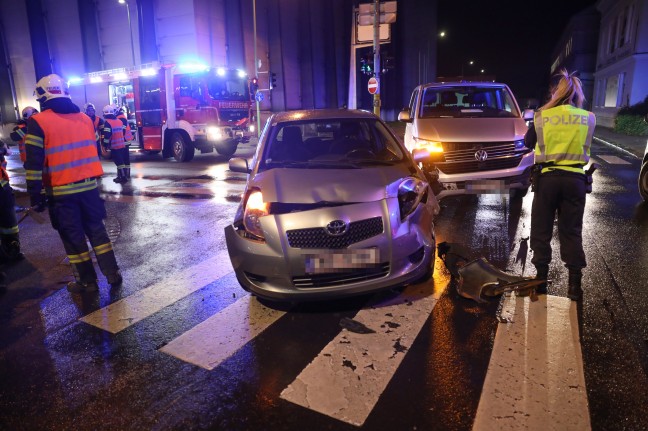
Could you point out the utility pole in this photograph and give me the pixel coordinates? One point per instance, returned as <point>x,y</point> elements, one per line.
<point>376,47</point>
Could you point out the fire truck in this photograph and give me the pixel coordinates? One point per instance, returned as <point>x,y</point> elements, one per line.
<point>176,109</point>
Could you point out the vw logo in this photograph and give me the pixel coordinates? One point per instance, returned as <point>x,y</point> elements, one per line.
<point>336,228</point>
<point>481,155</point>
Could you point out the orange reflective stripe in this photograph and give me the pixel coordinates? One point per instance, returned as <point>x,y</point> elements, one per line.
<point>70,148</point>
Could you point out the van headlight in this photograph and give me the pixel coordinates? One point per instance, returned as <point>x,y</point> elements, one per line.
<point>214,133</point>
<point>411,192</point>
<point>519,145</point>
<point>430,146</point>
<point>255,208</point>
<point>251,128</point>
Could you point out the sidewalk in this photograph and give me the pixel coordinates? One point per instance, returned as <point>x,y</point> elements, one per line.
<point>635,145</point>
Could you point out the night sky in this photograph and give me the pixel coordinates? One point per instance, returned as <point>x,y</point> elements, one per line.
<point>512,40</point>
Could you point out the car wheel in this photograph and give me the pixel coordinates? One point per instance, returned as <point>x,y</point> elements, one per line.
<point>643,181</point>
<point>518,193</point>
<point>183,151</point>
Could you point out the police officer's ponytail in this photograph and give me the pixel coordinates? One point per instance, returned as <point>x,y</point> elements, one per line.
<point>568,91</point>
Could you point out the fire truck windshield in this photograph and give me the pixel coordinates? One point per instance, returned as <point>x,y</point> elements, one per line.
<point>228,88</point>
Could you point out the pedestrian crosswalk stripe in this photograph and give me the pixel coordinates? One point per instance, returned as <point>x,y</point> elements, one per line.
<point>347,378</point>
<point>535,376</point>
<point>127,311</point>
<point>219,337</point>
<point>614,160</point>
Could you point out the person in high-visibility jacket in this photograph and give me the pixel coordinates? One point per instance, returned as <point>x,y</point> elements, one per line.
<point>112,136</point>
<point>561,136</point>
<point>62,160</point>
<point>9,240</point>
<point>20,131</point>
<point>97,122</point>
<point>128,137</point>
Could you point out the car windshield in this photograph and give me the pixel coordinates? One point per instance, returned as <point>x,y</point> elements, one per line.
<point>330,143</point>
<point>467,101</point>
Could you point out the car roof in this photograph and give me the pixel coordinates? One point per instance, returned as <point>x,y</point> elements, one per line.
<point>463,84</point>
<point>322,114</point>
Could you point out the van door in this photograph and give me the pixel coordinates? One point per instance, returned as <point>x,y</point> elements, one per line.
<point>410,127</point>
<point>150,111</point>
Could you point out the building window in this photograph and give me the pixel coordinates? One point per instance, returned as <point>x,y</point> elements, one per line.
<point>623,27</point>
<point>613,36</point>
<point>613,89</point>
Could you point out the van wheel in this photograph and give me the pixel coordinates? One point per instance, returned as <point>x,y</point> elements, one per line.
<point>183,151</point>
<point>643,181</point>
<point>518,193</point>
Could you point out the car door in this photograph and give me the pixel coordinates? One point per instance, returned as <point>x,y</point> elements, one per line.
<point>410,127</point>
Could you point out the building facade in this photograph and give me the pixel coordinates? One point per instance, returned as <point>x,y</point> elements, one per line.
<point>621,77</point>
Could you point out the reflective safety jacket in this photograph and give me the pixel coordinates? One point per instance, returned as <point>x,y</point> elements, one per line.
<point>61,153</point>
<point>18,134</point>
<point>564,138</point>
<point>113,134</point>
<point>128,134</point>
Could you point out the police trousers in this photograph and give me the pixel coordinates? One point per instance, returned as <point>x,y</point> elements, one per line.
<point>75,217</point>
<point>560,194</point>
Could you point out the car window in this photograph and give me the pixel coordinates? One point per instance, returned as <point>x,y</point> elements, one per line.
<point>334,143</point>
<point>412,104</point>
<point>467,101</point>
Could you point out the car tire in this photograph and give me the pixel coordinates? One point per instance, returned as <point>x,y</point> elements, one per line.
<point>182,150</point>
<point>517,194</point>
<point>643,181</point>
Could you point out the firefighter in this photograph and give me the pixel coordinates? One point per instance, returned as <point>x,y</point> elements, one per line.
<point>20,131</point>
<point>62,160</point>
<point>128,137</point>
<point>561,136</point>
<point>112,137</point>
<point>98,123</point>
<point>9,241</point>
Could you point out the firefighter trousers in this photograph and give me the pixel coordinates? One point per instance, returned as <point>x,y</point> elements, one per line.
<point>8,221</point>
<point>562,195</point>
<point>75,217</point>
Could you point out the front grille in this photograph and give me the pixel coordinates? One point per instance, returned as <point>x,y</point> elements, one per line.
<point>317,237</point>
<point>460,157</point>
<point>337,278</point>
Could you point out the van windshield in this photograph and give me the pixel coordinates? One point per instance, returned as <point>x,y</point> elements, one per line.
<point>466,102</point>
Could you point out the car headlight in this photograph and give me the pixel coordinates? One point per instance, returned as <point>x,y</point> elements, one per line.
<point>519,145</point>
<point>411,192</point>
<point>255,208</point>
<point>214,133</point>
<point>251,128</point>
<point>430,146</point>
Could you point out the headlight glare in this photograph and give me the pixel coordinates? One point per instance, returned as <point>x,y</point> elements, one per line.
<point>430,146</point>
<point>214,133</point>
<point>255,208</point>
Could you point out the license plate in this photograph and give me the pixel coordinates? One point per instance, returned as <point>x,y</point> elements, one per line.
<point>341,261</point>
<point>486,186</point>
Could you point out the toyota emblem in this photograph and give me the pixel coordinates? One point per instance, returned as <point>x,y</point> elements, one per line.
<point>481,155</point>
<point>336,228</point>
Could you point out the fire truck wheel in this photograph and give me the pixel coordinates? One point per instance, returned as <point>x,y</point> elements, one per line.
<point>183,151</point>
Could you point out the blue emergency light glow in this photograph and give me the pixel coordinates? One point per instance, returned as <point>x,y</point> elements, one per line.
<point>193,67</point>
<point>220,71</point>
<point>148,72</point>
<point>74,80</point>
<point>241,73</point>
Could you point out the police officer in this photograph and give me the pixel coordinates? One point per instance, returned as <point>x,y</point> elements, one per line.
<point>562,135</point>
<point>62,160</point>
<point>112,136</point>
<point>97,122</point>
<point>9,241</point>
<point>20,131</point>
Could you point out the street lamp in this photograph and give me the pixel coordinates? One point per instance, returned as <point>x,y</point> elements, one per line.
<point>442,34</point>
<point>130,28</point>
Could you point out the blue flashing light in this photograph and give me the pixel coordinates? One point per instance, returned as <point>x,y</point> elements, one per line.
<point>193,67</point>
<point>220,71</point>
<point>74,80</point>
<point>241,73</point>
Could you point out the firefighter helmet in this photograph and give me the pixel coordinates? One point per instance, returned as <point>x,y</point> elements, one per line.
<point>28,112</point>
<point>109,110</point>
<point>88,106</point>
<point>51,87</point>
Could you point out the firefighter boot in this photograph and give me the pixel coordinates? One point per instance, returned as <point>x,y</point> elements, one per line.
<point>542,273</point>
<point>11,247</point>
<point>127,173</point>
<point>574,288</point>
<point>121,177</point>
<point>115,279</point>
<point>79,287</point>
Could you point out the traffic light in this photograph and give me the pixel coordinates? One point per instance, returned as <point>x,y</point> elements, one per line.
<point>254,87</point>
<point>366,64</point>
<point>273,80</point>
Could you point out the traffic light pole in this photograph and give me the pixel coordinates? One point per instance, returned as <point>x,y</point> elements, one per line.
<point>376,47</point>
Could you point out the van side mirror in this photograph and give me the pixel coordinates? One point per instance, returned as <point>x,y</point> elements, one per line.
<point>528,115</point>
<point>404,116</point>
<point>239,164</point>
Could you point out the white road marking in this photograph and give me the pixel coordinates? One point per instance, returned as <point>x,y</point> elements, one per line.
<point>535,376</point>
<point>127,311</point>
<point>614,160</point>
<point>219,337</point>
<point>347,378</point>
<point>616,147</point>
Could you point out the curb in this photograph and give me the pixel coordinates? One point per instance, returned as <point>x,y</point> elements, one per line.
<point>617,147</point>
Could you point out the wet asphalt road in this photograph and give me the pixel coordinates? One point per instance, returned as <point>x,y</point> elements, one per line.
<point>58,372</point>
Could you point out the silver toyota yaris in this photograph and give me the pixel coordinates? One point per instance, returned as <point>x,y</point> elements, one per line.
<point>334,205</point>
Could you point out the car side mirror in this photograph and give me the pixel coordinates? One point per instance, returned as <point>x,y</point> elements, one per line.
<point>528,115</point>
<point>420,155</point>
<point>239,164</point>
<point>404,116</point>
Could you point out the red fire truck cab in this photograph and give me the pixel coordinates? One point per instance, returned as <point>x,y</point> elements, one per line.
<point>179,109</point>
